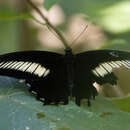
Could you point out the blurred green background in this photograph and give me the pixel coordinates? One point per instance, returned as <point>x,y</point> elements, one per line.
<point>108,27</point>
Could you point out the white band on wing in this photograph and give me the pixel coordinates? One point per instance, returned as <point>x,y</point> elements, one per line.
<point>106,67</point>
<point>33,68</point>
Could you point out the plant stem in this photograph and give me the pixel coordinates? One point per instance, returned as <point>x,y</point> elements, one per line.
<point>48,24</point>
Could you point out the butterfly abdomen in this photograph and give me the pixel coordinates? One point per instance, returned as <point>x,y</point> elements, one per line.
<point>69,66</point>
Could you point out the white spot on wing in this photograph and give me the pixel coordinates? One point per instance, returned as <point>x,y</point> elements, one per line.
<point>13,67</point>
<point>127,61</point>
<point>40,70</point>
<point>46,72</point>
<point>32,67</point>
<point>3,65</point>
<point>13,63</point>
<point>116,65</point>
<point>28,85</point>
<point>125,64</point>
<point>94,71</point>
<point>107,67</point>
<point>114,53</point>
<point>104,70</point>
<point>18,65</point>
<point>119,63</point>
<point>111,64</point>
<point>21,81</point>
<point>100,71</point>
<point>24,66</point>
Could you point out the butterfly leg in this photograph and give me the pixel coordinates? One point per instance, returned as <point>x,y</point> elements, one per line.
<point>84,92</point>
<point>94,92</point>
<point>47,101</point>
<point>78,101</point>
<point>88,101</point>
<point>66,101</point>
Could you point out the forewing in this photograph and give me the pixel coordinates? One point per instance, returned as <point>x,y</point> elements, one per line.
<point>28,64</point>
<point>100,64</point>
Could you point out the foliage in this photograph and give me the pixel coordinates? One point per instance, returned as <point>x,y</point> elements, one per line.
<point>19,110</point>
<point>49,3</point>
<point>123,103</point>
<point>12,16</point>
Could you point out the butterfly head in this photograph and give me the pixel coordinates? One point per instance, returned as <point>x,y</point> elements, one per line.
<point>68,51</point>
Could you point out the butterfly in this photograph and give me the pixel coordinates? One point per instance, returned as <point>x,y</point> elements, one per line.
<point>55,77</point>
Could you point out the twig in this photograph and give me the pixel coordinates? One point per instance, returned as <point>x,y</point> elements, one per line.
<point>45,24</point>
<point>48,24</point>
<point>38,21</point>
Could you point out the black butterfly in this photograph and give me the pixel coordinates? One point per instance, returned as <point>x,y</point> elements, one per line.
<point>55,77</point>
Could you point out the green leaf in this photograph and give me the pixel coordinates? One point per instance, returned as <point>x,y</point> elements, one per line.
<point>16,104</point>
<point>13,16</point>
<point>49,3</point>
<point>123,103</point>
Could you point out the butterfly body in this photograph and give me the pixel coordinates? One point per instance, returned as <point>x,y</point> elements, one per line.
<point>55,77</point>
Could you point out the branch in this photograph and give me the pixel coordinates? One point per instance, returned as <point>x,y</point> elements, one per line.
<point>49,25</point>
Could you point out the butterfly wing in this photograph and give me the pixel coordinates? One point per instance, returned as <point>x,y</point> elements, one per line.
<point>28,64</point>
<point>97,66</point>
<point>42,72</point>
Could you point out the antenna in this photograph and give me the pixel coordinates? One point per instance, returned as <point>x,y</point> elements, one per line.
<point>79,35</point>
